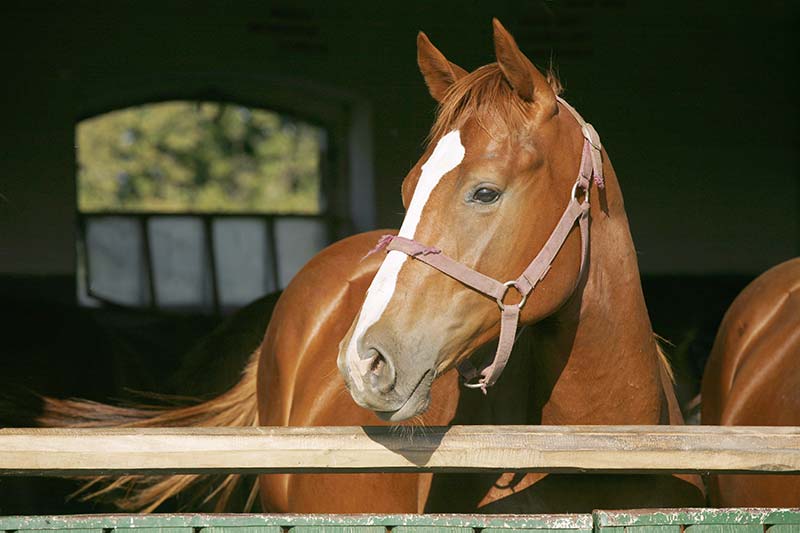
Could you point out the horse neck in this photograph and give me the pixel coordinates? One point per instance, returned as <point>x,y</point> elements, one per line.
<point>596,360</point>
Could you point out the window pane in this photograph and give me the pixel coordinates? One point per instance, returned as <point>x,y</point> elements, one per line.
<point>180,262</point>
<point>183,167</point>
<point>298,240</point>
<point>244,262</point>
<point>116,263</point>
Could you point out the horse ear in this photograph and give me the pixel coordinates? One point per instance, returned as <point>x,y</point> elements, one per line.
<point>438,72</point>
<point>527,81</point>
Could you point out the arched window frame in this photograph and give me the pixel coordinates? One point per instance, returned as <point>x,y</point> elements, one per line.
<point>347,169</point>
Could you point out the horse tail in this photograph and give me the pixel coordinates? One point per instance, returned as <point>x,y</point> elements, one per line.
<point>690,411</point>
<point>663,358</point>
<point>673,412</point>
<point>145,493</point>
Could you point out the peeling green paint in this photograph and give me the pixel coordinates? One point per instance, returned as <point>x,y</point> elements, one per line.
<point>288,523</point>
<point>638,521</point>
<point>689,517</point>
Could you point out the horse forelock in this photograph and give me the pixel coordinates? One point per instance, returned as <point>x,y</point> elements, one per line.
<point>486,96</point>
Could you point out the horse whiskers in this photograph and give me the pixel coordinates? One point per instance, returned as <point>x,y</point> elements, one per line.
<point>342,392</point>
<point>405,432</point>
<point>408,428</point>
<point>419,422</point>
<point>332,374</point>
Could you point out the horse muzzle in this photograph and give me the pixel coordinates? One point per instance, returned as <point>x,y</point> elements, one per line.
<point>372,379</point>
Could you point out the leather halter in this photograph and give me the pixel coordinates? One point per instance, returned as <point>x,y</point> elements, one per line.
<point>591,168</point>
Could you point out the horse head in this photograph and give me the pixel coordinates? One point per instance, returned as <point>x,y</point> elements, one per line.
<point>488,192</point>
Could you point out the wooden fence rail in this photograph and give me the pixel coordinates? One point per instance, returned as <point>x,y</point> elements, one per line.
<point>632,449</point>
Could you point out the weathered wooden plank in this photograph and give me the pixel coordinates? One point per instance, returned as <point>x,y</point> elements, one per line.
<point>241,529</point>
<point>152,529</point>
<point>76,530</point>
<point>784,528</point>
<point>535,530</point>
<point>355,449</point>
<point>338,529</point>
<point>689,517</point>
<point>647,521</point>
<point>268,522</point>
<point>725,528</point>
<point>439,529</point>
<point>555,523</point>
<point>672,528</point>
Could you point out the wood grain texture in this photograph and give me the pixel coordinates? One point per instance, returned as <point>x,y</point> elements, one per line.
<point>366,449</point>
<point>270,523</point>
<point>637,521</point>
<point>785,528</point>
<point>764,517</point>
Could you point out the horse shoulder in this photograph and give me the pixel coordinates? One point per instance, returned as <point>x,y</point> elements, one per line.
<point>318,298</point>
<point>299,384</point>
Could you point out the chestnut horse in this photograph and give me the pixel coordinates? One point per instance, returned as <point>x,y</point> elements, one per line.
<point>501,166</point>
<point>752,378</point>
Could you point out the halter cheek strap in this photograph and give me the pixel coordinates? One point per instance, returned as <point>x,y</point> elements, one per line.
<point>591,168</point>
<point>576,211</point>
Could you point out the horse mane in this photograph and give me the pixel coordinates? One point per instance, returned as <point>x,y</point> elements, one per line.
<point>484,94</point>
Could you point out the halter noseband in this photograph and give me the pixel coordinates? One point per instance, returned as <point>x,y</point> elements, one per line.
<point>591,168</point>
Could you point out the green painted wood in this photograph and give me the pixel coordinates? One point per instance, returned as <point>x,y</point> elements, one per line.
<point>582,522</point>
<point>154,529</point>
<point>650,521</point>
<point>538,530</point>
<point>784,528</point>
<point>435,529</point>
<point>76,530</point>
<point>689,517</point>
<point>338,529</point>
<point>242,529</point>
<point>671,528</point>
<point>725,528</point>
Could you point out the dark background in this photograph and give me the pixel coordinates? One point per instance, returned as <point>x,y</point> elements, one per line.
<point>695,103</point>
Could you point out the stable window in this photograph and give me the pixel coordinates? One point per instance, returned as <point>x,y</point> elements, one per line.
<point>197,205</point>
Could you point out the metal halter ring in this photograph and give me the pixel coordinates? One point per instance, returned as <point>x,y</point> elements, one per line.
<point>507,285</point>
<point>585,191</point>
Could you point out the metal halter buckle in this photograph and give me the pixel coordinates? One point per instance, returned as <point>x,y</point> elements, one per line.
<point>507,285</point>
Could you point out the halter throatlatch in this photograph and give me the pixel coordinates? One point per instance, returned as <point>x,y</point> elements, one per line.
<point>591,169</point>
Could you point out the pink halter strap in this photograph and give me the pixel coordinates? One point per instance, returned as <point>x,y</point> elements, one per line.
<point>591,168</point>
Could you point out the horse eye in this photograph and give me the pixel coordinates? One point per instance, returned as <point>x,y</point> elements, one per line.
<point>485,195</point>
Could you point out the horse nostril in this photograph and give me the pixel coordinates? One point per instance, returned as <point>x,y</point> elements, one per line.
<point>376,364</point>
<point>381,372</point>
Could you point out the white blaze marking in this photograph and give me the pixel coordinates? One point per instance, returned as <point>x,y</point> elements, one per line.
<point>447,155</point>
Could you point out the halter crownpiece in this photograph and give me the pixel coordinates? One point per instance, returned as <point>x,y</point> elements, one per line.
<point>591,169</point>
<point>595,148</point>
